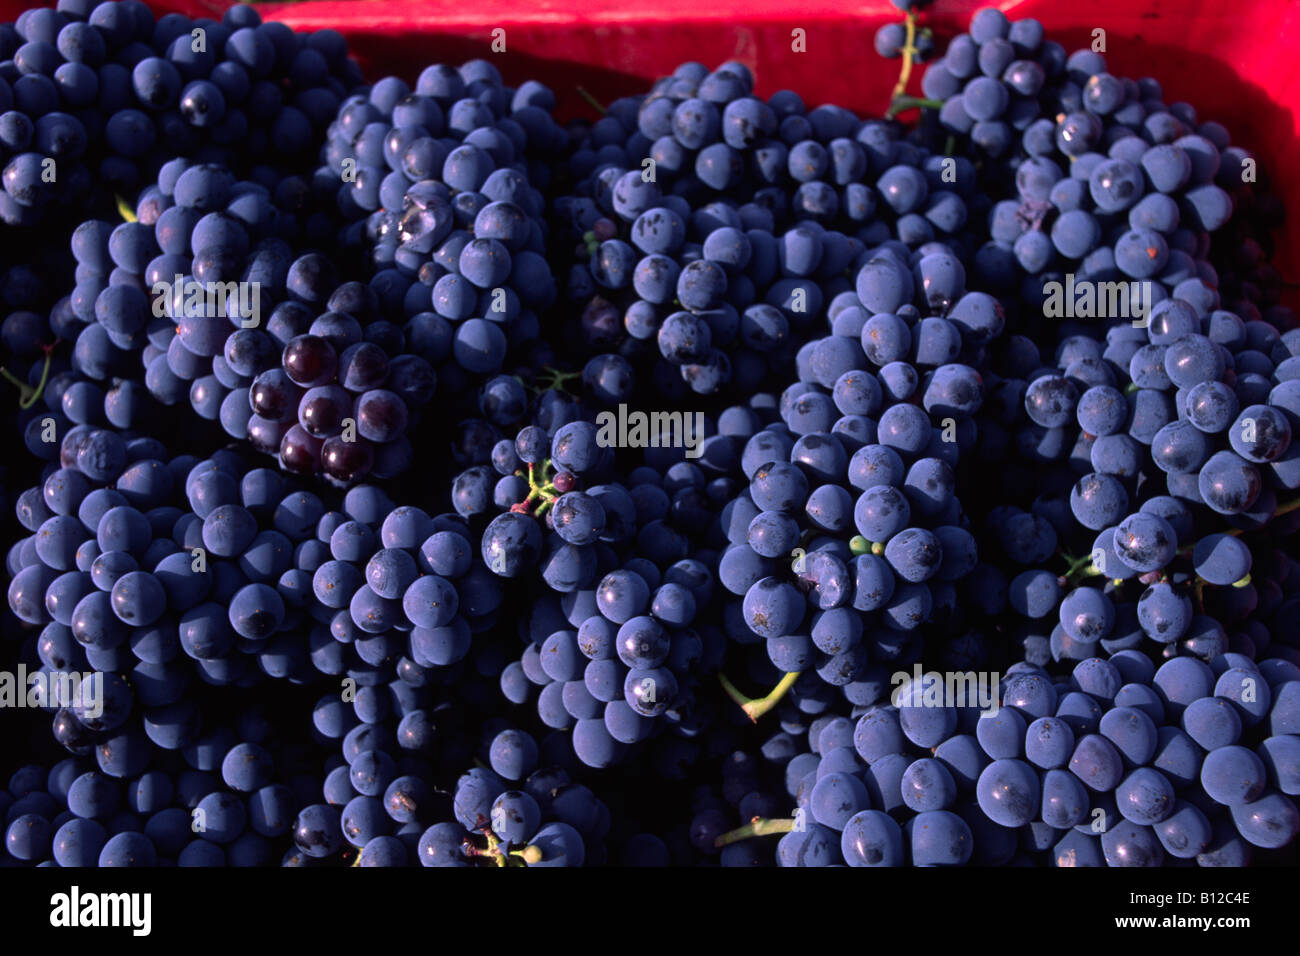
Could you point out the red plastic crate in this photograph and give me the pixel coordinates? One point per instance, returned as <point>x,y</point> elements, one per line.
<point>1235,62</point>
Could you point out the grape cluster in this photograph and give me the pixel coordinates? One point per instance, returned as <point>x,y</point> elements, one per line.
<point>133,558</point>
<point>148,596</point>
<point>851,537</point>
<point>383,798</point>
<point>538,816</point>
<point>1120,763</point>
<point>1160,430</point>
<point>714,228</point>
<point>100,95</point>
<point>439,193</point>
<point>411,584</point>
<point>618,563</point>
<point>224,799</point>
<point>1083,424</point>
<point>223,311</point>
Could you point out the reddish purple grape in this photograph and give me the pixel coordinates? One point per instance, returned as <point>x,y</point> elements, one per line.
<point>310,360</point>
<point>346,460</point>
<point>322,410</point>
<point>299,451</point>
<point>265,435</point>
<point>274,396</point>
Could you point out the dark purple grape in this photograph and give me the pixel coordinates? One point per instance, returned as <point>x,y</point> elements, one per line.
<point>274,396</point>
<point>322,410</point>
<point>381,415</point>
<point>362,367</point>
<point>346,461</point>
<point>310,360</point>
<point>300,452</point>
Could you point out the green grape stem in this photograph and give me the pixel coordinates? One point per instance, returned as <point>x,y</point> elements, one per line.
<point>898,99</point>
<point>541,493</point>
<point>494,853</point>
<point>27,394</point>
<point>756,707</point>
<point>1284,509</point>
<point>554,380</point>
<point>759,826</point>
<point>903,103</point>
<point>594,103</point>
<point>530,854</point>
<point>1080,569</point>
<point>909,57</point>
